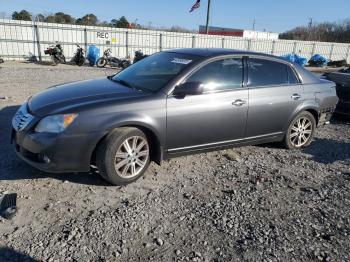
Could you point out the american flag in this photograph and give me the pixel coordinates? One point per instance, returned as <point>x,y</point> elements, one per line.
<point>195,6</point>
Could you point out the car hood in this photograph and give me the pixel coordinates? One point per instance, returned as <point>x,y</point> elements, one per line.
<point>79,93</point>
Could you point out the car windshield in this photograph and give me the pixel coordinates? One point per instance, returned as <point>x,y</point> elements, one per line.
<point>154,72</point>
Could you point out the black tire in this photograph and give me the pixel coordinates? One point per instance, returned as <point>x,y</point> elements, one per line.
<point>1,60</point>
<point>293,135</point>
<point>91,63</point>
<point>106,157</point>
<point>80,61</point>
<point>125,64</point>
<point>101,62</point>
<point>55,60</point>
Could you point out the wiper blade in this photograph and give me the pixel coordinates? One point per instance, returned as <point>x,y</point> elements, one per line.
<point>125,83</point>
<point>120,81</point>
<point>110,77</point>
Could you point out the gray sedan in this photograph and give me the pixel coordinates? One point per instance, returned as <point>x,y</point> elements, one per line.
<point>169,104</point>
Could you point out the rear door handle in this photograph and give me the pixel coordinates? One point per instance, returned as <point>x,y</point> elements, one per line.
<point>238,102</point>
<point>296,96</point>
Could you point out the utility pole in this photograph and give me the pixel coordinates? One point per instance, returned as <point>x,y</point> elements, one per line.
<point>310,22</point>
<point>310,28</point>
<point>254,24</point>
<point>208,18</point>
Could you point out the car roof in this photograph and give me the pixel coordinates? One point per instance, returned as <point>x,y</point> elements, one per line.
<point>212,52</point>
<point>306,76</point>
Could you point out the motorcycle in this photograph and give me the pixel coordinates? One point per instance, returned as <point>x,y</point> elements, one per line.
<point>31,58</point>
<point>56,53</point>
<point>139,56</point>
<point>79,56</point>
<point>107,58</point>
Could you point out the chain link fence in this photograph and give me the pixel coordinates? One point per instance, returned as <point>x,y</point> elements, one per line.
<point>22,39</point>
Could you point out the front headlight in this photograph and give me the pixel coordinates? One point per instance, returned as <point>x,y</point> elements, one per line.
<point>55,123</point>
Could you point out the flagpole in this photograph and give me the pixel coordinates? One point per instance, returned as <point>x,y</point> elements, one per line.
<point>208,17</point>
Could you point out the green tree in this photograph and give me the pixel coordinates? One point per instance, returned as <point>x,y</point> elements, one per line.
<point>39,18</point>
<point>89,19</point>
<point>50,19</point>
<point>63,18</point>
<point>104,23</point>
<point>136,26</point>
<point>60,18</point>
<point>120,23</point>
<point>22,15</point>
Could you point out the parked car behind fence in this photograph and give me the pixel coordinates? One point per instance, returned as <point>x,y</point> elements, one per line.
<point>342,79</point>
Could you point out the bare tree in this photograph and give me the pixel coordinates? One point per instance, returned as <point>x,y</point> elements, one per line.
<point>325,32</point>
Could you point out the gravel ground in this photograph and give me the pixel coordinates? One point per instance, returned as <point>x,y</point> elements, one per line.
<point>257,203</point>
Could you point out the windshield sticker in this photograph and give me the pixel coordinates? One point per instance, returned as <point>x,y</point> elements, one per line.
<point>181,61</point>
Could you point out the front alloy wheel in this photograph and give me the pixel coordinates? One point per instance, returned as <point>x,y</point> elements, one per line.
<point>131,157</point>
<point>300,131</point>
<point>123,156</point>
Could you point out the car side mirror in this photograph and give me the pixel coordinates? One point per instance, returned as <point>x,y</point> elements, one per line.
<point>189,88</point>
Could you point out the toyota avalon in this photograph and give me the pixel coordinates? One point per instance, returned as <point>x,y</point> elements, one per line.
<point>169,104</point>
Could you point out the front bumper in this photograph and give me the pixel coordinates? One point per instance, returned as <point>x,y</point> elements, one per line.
<point>56,153</point>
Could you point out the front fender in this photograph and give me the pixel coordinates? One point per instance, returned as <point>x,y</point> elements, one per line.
<point>154,127</point>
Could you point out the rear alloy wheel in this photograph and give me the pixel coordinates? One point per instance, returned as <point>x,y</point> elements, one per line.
<point>301,131</point>
<point>123,156</point>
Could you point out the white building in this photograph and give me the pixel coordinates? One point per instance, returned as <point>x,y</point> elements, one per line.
<point>260,35</point>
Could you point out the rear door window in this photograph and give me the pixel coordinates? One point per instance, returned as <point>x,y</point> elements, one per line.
<point>263,72</point>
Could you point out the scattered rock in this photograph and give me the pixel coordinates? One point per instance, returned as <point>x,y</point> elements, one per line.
<point>232,156</point>
<point>159,241</point>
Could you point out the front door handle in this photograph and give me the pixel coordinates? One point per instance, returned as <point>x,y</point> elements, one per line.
<point>238,102</point>
<point>296,96</point>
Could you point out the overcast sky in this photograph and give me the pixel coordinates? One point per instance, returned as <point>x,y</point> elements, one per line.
<point>272,15</point>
